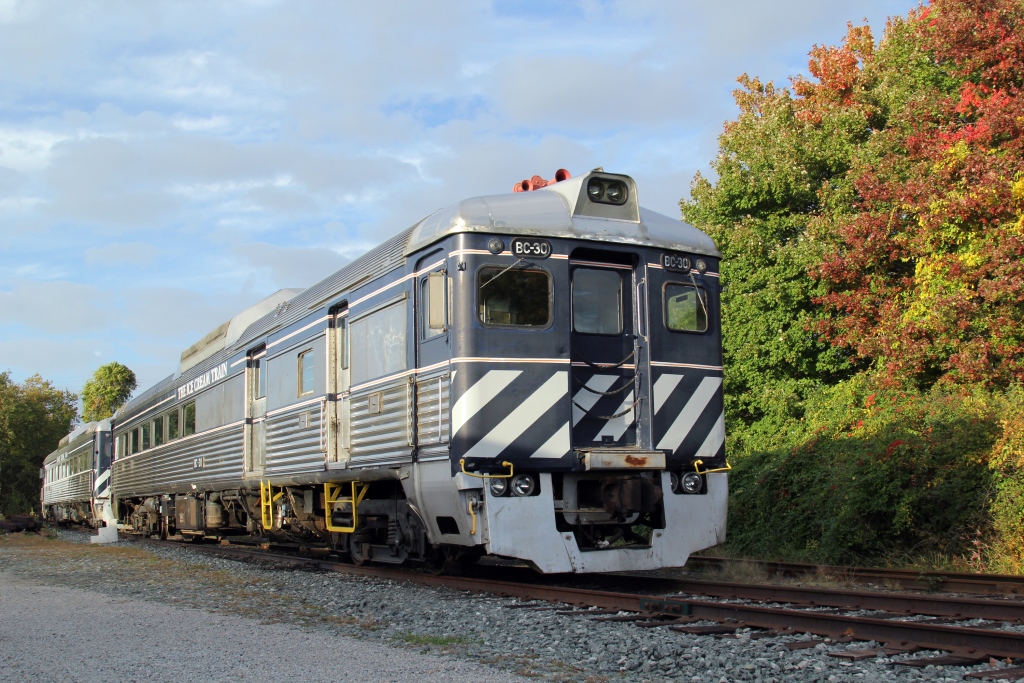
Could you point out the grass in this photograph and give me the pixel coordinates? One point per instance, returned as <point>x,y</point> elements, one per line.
<point>435,641</point>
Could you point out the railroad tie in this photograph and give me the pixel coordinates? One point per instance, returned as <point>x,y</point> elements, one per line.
<point>1011,674</point>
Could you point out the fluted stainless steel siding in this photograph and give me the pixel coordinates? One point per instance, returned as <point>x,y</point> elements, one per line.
<point>76,488</point>
<point>432,414</point>
<point>295,440</point>
<point>384,437</point>
<point>158,469</point>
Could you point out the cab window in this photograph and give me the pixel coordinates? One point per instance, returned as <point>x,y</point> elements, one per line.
<point>685,308</point>
<point>520,298</point>
<point>596,301</point>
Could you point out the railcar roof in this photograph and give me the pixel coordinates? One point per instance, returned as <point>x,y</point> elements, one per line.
<point>76,434</point>
<point>558,211</point>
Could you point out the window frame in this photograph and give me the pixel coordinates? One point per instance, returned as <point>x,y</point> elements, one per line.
<point>300,383</point>
<point>572,301</point>
<point>496,326</point>
<point>701,292</point>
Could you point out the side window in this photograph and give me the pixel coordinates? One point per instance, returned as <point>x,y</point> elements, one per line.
<point>685,308</point>
<point>261,377</point>
<point>432,305</point>
<point>305,372</point>
<point>135,440</point>
<point>145,435</point>
<point>158,431</point>
<point>596,301</point>
<point>378,343</point>
<point>172,425</point>
<point>189,427</point>
<point>514,297</point>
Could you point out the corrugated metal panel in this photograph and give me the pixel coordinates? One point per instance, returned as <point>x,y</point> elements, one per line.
<point>75,488</point>
<point>432,414</point>
<point>156,470</point>
<point>382,437</point>
<point>295,441</point>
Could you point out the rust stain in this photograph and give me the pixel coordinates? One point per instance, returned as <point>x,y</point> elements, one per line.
<point>636,461</point>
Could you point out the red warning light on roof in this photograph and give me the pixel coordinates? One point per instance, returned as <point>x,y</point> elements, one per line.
<point>536,182</point>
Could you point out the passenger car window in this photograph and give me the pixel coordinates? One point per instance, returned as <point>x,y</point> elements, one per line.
<point>514,297</point>
<point>145,436</point>
<point>596,301</point>
<point>378,343</point>
<point>158,431</point>
<point>306,372</point>
<point>172,425</point>
<point>190,419</point>
<point>685,308</point>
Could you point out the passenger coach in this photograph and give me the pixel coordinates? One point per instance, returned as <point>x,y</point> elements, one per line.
<point>76,478</point>
<point>534,375</point>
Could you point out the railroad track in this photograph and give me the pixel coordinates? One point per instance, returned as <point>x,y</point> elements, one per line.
<point>906,579</point>
<point>968,630</point>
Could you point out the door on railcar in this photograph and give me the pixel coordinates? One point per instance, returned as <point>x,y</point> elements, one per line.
<point>256,411</point>
<point>605,382</point>
<point>338,441</point>
<point>688,419</point>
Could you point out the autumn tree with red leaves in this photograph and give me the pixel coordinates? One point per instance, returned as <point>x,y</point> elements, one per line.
<point>871,219</point>
<point>924,272</point>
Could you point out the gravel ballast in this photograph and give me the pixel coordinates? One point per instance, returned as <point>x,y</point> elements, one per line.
<point>131,611</point>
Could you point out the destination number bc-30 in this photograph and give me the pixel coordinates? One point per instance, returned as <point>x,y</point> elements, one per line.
<point>675,262</point>
<point>530,248</point>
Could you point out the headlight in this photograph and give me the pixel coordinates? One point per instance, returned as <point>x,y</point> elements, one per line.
<point>523,485</point>
<point>692,482</point>
<point>499,487</point>
<point>674,478</point>
<point>616,193</point>
<point>595,190</point>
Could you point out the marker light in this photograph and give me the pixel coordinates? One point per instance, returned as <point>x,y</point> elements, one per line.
<point>523,485</point>
<point>674,479</point>
<point>499,487</point>
<point>702,267</point>
<point>495,245</point>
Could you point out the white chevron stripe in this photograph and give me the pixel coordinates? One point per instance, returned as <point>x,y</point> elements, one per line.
<point>715,439</point>
<point>101,480</point>
<point>690,414</point>
<point>588,399</point>
<point>617,426</point>
<point>479,395</point>
<point>520,419</point>
<point>663,388</point>
<point>556,446</point>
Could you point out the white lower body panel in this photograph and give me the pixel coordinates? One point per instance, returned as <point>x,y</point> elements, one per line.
<point>525,528</point>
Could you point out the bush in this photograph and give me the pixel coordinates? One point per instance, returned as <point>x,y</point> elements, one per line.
<point>877,475</point>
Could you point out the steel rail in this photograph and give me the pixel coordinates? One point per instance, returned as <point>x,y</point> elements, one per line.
<point>909,579</point>
<point>992,642</point>
<point>961,608</point>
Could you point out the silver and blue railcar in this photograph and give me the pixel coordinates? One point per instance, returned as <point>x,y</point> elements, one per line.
<point>535,375</point>
<point>76,478</point>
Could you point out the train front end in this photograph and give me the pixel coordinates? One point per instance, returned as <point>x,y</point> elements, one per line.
<point>587,424</point>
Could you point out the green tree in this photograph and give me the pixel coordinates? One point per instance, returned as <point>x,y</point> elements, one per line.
<point>34,416</point>
<point>110,387</point>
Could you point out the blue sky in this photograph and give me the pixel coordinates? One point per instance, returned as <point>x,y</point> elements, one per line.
<point>164,165</point>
